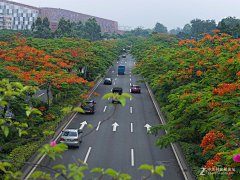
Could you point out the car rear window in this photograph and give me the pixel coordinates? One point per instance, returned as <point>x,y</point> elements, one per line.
<point>136,86</point>
<point>69,133</point>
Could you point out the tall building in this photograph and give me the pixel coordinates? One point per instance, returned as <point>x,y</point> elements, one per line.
<point>6,21</point>
<point>24,15</point>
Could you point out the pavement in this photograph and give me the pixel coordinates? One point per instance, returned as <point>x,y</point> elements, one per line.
<point>126,146</point>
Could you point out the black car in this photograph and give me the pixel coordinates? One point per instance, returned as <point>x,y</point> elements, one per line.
<point>117,90</point>
<point>124,56</point>
<point>107,81</point>
<point>88,106</point>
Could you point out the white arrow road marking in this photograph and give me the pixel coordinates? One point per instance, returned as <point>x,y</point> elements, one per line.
<point>130,109</point>
<point>41,94</point>
<point>104,109</point>
<point>98,125</point>
<point>83,124</point>
<point>85,160</point>
<point>131,127</point>
<point>148,127</point>
<point>115,126</point>
<point>114,83</point>
<point>132,157</point>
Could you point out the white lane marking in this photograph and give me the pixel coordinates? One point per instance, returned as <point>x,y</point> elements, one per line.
<point>131,127</point>
<point>38,162</point>
<point>85,160</point>
<point>41,94</point>
<point>114,83</point>
<point>130,84</point>
<point>115,78</point>
<point>130,99</point>
<point>148,127</point>
<point>115,126</point>
<point>98,125</point>
<point>104,108</point>
<point>130,90</point>
<point>130,75</point>
<point>125,62</point>
<point>117,74</point>
<point>83,124</point>
<point>132,157</point>
<point>130,109</point>
<point>130,79</point>
<point>117,62</point>
<point>108,98</point>
<point>112,71</point>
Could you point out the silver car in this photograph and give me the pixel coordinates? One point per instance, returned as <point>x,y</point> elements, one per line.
<point>71,137</point>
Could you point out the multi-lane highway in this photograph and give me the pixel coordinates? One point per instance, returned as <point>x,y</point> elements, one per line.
<point>124,147</point>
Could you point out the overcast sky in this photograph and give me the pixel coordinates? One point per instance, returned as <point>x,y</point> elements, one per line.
<point>146,13</point>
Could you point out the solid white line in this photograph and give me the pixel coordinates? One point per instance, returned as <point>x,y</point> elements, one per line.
<point>41,94</point>
<point>132,157</point>
<point>38,162</point>
<point>104,108</point>
<point>98,125</point>
<point>174,150</point>
<point>131,127</point>
<point>130,109</point>
<point>85,160</point>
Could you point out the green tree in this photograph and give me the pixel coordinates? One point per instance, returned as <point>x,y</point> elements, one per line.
<point>201,26</point>
<point>187,28</point>
<point>160,28</point>
<point>106,35</point>
<point>92,29</point>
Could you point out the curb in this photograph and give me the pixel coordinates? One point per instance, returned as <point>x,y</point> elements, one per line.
<point>26,169</point>
<point>186,170</point>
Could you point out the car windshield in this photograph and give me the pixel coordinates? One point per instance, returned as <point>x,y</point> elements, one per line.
<point>69,133</point>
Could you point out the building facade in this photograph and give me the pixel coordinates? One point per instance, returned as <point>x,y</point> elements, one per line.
<point>55,14</point>
<point>24,15</point>
<point>6,21</point>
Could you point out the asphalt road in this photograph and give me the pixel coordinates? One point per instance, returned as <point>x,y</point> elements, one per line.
<point>128,147</point>
<point>43,94</point>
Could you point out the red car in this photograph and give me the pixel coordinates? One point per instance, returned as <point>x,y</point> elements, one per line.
<point>135,88</point>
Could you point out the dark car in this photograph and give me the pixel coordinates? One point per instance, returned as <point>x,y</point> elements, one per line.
<point>135,88</point>
<point>124,56</point>
<point>117,90</point>
<point>88,106</point>
<point>108,81</point>
<point>71,137</point>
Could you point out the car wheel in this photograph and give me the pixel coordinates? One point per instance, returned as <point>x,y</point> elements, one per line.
<point>78,145</point>
<point>80,141</point>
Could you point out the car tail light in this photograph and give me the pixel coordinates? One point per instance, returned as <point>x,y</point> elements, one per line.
<point>62,139</point>
<point>75,139</point>
<point>91,106</point>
